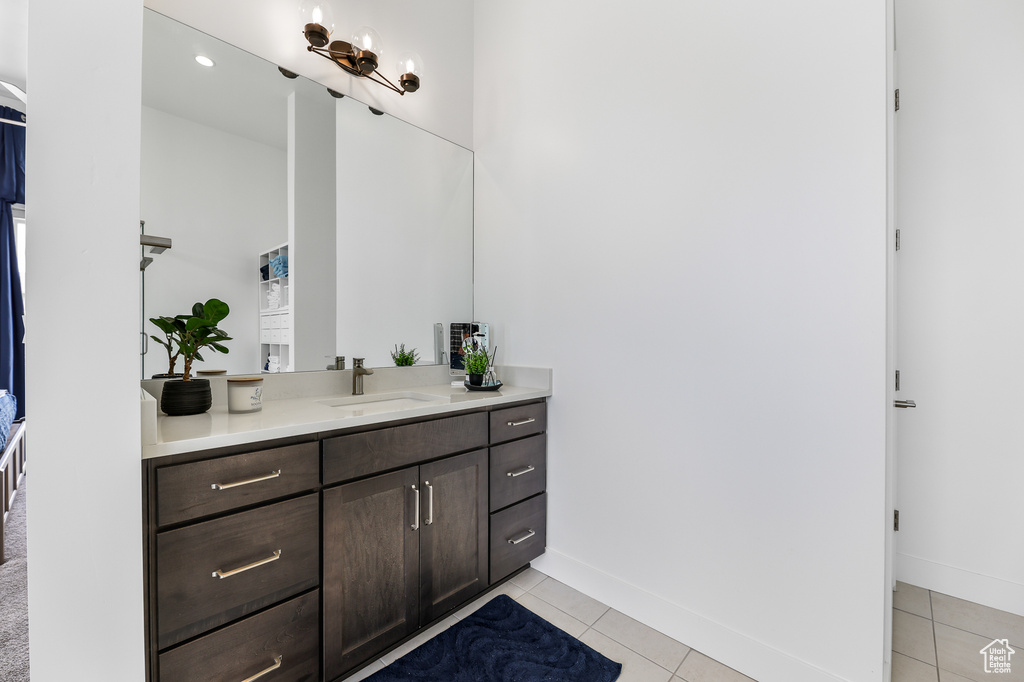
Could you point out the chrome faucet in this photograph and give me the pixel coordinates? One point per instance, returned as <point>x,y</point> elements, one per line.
<point>357,375</point>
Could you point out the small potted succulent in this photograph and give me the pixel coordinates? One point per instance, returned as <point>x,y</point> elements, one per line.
<point>189,334</point>
<point>477,362</point>
<point>404,358</point>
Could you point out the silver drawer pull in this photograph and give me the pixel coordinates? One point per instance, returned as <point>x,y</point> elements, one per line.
<point>522,538</point>
<point>525,421</point>
<point>277,664</point>
<point>225,486</point>
<point>519,472</point>
<point>430,503</point>
<point>416,506</point>
<point>241,569</point>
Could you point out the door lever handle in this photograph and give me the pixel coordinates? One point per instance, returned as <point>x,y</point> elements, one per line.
<point>904,403</point>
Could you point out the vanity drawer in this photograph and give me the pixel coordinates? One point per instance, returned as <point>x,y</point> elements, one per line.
<point>189,491</point>
<point>262,556</point>
<point>284,641</point>
<point>516,422</point>
<point>512,545</point>
<point>361,454</point>
<point>518,470</point>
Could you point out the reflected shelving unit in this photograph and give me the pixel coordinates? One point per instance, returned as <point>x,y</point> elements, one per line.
<point>276,321</point>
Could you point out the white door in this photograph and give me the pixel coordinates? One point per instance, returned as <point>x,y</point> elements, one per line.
<point>961,298</point>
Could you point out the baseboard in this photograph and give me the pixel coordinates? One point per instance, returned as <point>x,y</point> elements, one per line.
<point>749,656</point>
<point>979,588</point>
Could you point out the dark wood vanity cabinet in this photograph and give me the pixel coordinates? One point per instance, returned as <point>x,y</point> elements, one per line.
<point>401,549</point>
<point>309,559</point>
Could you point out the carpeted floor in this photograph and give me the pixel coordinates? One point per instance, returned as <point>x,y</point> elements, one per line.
<point>14,596</point>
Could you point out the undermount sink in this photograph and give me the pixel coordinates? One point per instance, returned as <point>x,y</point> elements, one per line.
<point>375,403</point>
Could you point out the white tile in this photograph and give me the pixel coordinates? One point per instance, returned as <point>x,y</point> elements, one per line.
<point>912,599</point>
<point>697,667</point>
<point>529,579</point>
<point>912,636</point>
<point>560,619</point>
<point>575,603</point>
<point>960,652</point>
<point>366,672</point>
<point>907,669</point>
<point>981,620</point>
<point>946,676</point>
<point>419,639</point>
<point>635,668</point>
<point>646,641</point>
<point>509,588</point>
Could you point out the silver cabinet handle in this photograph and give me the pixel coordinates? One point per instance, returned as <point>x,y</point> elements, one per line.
<point>525,536</point>
<point>525,421</point>
<point>277,664</point>
<point>904,403</point>
<point>225,486</point>
<point>430,504</point>
<point>416,504</point>
<point>248,567</point>
<point>519,472</point>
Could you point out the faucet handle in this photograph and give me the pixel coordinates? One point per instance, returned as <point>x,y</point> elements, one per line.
<point>357,362</point>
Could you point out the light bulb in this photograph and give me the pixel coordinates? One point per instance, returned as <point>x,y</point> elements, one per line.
<point>368,46</point>
<point>368,40</point>
<point>319,18</point>
<point>410,69</point>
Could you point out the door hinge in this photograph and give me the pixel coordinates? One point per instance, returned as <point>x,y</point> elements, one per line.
<point>897,239</point>
<point>896,520</point>
<point>897,99</point>
<point>897,380</point>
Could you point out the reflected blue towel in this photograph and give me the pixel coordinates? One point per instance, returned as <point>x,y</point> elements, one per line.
<point>280,265</point>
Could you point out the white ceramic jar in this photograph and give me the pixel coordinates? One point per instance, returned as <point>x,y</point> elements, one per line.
<point>245,394</point>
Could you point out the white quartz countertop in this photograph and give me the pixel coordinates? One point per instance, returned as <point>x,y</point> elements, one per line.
<point>307,414</point>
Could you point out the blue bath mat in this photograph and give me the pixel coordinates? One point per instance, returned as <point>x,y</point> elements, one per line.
<point>501,642</point>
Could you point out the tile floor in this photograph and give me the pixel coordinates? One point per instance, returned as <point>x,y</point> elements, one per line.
<point>938,638</point>
<point>646,655</point>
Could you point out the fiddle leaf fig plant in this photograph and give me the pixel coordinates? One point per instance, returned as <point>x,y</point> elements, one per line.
<point>404,358</point>
<point>166,325</point>
<point>191,333</point>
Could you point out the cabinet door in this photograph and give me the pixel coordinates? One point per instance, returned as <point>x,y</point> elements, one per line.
<point>371,556</point>
<point>453,545</point>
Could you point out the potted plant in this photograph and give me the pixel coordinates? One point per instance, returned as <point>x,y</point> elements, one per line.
<point>404,358</point>
<point>477,362</point>
<point>168,343</point>
<point>190,334</point>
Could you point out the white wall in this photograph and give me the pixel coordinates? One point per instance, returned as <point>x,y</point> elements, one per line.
<point>404,206</point>
<point>441,31</point>
<point>312,231</point>
<point>222,199</point>
<point>85,529</point>
<point>691,230</point>
<point>960,174</point>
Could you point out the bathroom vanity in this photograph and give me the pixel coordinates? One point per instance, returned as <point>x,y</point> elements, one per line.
<point>307,546</point>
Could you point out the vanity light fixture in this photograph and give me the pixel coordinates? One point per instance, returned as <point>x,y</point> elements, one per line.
<point>203,60</point>
<point>361,56</point>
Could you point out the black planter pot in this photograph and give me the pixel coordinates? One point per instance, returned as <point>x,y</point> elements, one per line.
<point>476,379</point>
<point>165,375</point>
<point>186,397</point>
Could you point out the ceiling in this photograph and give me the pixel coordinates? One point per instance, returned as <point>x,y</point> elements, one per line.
<point>14,42</point>
<point>242,94</point>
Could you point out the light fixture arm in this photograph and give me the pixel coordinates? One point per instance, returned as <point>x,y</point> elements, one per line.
<point>345,62</point>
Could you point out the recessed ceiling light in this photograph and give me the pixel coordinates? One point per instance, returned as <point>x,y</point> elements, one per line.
<point>204,60</point>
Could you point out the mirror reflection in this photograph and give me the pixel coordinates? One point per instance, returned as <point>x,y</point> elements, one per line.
<point>329,230</point>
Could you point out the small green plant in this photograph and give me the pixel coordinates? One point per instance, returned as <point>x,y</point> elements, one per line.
<point>477,361</point>
<point>190,333</point>
<point>404,358</point>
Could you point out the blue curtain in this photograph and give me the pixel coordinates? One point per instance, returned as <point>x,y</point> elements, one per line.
<point>12,191</point>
